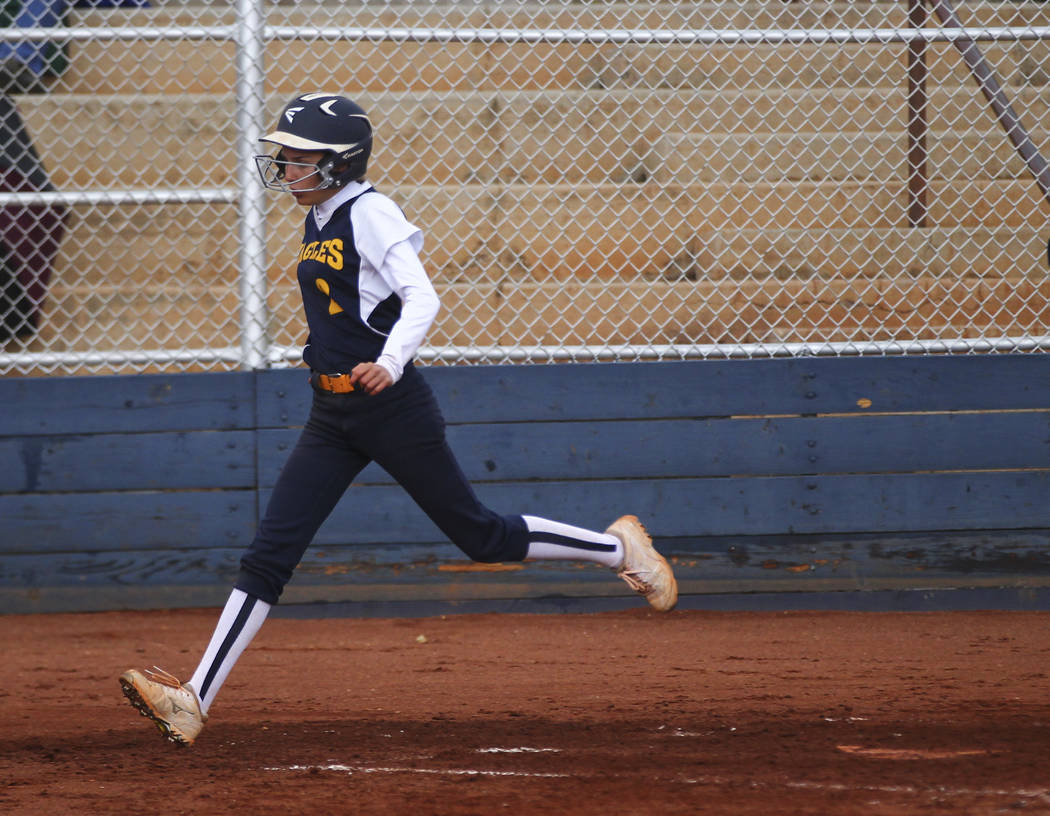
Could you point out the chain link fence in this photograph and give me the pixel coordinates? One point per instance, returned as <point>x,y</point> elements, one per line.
<point>646,180</point>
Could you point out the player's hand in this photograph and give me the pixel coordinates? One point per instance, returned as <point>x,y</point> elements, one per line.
<point>372,377</point>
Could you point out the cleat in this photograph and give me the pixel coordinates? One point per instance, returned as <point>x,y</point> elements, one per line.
<point>644,569</point>
<point>173,706</point>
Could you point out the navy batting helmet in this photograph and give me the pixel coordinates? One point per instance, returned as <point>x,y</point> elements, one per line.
<point>332,124</point>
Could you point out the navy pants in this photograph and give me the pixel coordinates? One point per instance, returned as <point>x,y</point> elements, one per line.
<point>401,429</point>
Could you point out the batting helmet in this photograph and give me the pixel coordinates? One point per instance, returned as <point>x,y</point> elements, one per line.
<point>327,122</point>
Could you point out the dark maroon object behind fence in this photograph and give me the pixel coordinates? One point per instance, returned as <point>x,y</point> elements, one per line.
<point>30,234</point>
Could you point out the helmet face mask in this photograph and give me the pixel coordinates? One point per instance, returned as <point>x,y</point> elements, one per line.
<point>272,171</point>
<point>318,122</point>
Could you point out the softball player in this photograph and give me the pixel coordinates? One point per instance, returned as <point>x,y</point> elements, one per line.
<point>369,304</point>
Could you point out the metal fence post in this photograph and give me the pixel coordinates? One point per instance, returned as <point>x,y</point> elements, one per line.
<point>250,103</point>
<point>917,121</point>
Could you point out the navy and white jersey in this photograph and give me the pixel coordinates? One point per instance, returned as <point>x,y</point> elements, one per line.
<point>366,295</point>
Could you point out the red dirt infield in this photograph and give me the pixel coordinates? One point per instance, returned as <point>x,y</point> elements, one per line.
<point>628,712</point>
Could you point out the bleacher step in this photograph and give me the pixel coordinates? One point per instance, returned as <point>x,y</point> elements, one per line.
<point>636,313</point>
<point>102,250</point>
<point>91,142</point>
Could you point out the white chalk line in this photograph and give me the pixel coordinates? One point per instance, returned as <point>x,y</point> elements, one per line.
<point>368,769</point>
<point>518,750</point>
<point>1042,794</point>
<point>1038,794</point>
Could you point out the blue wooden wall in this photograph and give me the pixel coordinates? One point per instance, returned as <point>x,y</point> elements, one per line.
<point>785,475</point>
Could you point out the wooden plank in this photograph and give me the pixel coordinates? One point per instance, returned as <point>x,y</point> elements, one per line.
<point>707,388</point>
<point>141,461</point>
<point>719,447</point>
<point>689,507</point>
<point>145,402</point>
<point>855,503</point>
<point>1017,554</point>
<point>79,522</point>
<point>202,577</point>
<point>40,600</point>
<point>139,568</point>
<point>756,563</point>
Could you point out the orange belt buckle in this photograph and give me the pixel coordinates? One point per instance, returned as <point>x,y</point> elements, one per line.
<point>339,384</point>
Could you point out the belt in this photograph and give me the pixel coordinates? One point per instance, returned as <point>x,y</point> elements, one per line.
<point>332,383</point>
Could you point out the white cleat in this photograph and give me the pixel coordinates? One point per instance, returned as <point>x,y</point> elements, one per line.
<point>173,706</point>
<point>644,569</point>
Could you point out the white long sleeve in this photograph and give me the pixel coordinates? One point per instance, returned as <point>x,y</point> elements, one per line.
<point>404,273</point>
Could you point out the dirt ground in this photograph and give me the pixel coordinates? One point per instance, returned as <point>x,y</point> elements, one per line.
<point>607,713</point>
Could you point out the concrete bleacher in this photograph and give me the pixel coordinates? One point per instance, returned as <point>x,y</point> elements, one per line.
<point>702,147</point>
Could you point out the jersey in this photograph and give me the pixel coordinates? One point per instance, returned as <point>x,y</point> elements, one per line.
<point>359,275</point>
<point>329,277</point>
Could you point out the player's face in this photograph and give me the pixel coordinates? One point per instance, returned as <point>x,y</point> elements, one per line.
<point>301,171</point>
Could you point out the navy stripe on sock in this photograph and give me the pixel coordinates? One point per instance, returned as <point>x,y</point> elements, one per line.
<point>227,643</point>
<point>569,541</point>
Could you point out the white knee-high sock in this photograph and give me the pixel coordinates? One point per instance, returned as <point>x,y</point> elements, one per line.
<point>238,624</point>
<point>563,542</point>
